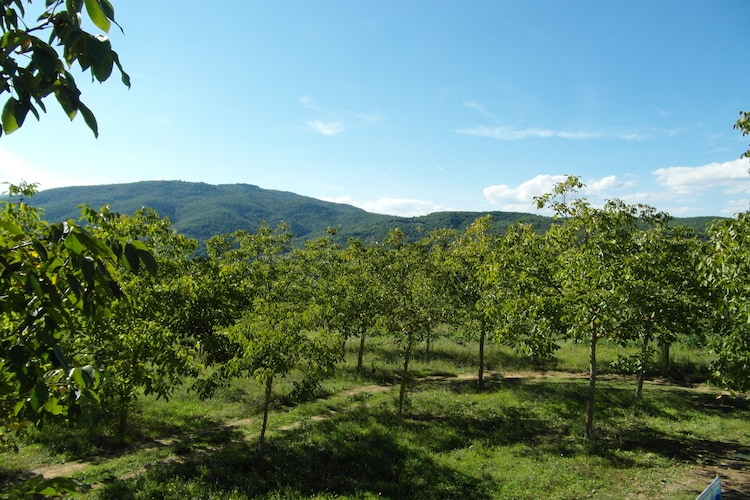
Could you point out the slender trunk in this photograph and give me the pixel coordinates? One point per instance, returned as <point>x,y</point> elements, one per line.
<point>588,431</point>
<point>427,346</point>
<point>266,405</point>
<point>665,361</point>
<point>404,373</point>
<point>639,383</point>
<point>482,334</point>
<point>122,422</point>
<point>641,367</point>
<point>361,353</point>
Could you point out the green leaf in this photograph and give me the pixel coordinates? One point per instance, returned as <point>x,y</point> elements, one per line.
<point>52,406</point>
<point>148,261</point>
<point>131,254</point>
<point>89,270</point>
<point>39,395</point>
<point>13,115</point>
<point>13,229</point>
<point>92,376</point>
<point>57,486</point>
<point>97,14</point>
<point>68,98</point>
<point>99,52</point>
<point>73,244</point>
<point>125,76</point>
<point>89,118</point>
<point>45,59</point>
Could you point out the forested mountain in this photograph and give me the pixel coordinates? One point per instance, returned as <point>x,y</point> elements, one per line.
<point>202,210</point>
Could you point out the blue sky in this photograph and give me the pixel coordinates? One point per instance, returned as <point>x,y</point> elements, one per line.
<point>411,107</point>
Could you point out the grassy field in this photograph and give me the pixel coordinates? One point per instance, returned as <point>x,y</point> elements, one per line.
<point>520,437</point>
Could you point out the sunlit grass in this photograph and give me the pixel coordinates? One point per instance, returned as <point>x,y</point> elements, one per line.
<point>519,437</point>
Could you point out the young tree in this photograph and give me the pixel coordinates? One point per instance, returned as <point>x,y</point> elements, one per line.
<point>278,332</point>
<point>592,245</point>
<point>528,314</point>
<point>360,293</point>
<point>137,342</point>
<point>32,69</point>
<point>474,289</point>
<point>663,299</point>
<point>410,304</point>
<point>51,276</point>
<point>726,271</point>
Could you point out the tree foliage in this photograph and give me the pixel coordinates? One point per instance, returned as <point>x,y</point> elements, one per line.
<point>36,55</point>
<point>592,247</point>
<point>743,125</point>
<point>726,271</point>
<point>279,329</point>
<point>140,345</point>
<point>52,276</point>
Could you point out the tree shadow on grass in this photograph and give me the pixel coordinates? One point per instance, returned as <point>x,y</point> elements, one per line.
<point>81,441</point>
<point>354,457</point>
<point>368,451</point>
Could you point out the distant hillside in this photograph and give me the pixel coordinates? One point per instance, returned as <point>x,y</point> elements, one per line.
<point>202,210</point>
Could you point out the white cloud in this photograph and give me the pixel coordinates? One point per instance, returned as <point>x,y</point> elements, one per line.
<point>329,129</point>
<point>732,207</point>
<point>729,177</point>
<point>14,170</point>
<point>604,185</point>
<point>509,134</point>
<point>521,197</point>
<point>402,207</point>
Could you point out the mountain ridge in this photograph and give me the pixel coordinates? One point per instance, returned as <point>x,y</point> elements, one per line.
<point>201,210</point>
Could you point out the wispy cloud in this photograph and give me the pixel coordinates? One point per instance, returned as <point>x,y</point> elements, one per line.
<point>336,122</point>
<point>330,129</point>
<point>510,134</point>
<point>500,129</point>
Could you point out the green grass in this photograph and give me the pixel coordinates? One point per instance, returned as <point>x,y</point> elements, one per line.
<point>517,438</point>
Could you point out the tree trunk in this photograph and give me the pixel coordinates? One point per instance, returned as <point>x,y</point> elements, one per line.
<point>665,361</point>
<point>480,378</point>
<point>361,353</point>
<point>588,431</point>
<point>427,346</point>
<point>404,373</point>
<point>266,405</point>
<point>122,423</point>
<point>639,383</point>
<point>641,367</point>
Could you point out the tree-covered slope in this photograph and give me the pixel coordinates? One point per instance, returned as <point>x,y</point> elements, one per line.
<point>202,210</point>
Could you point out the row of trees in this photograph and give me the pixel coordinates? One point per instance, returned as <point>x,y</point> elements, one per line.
<point>93,316</point>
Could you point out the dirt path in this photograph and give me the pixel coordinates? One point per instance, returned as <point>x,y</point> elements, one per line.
<point>67,469</point>
<point>733,468</point>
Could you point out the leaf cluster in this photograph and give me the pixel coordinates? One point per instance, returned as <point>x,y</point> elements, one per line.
<point>36,58</point>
